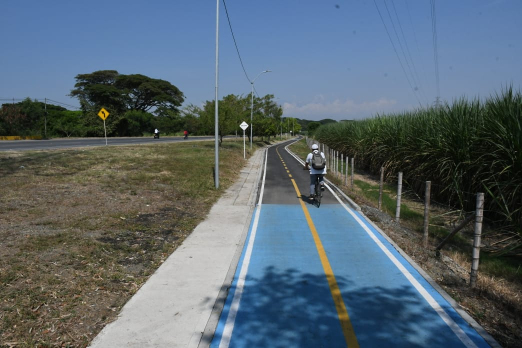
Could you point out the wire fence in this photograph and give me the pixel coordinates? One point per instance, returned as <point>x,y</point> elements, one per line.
<point>42,100</point>
<point>442,207</point>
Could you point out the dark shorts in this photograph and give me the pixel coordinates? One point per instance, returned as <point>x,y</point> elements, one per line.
<point>314,176</point>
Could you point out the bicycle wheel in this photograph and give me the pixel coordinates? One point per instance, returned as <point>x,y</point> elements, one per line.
<point>318,193</point>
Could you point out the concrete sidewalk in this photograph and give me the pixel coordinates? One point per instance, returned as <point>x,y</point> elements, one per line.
<point>175,306</point>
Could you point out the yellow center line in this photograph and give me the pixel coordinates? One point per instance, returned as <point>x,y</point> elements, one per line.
<point>342,313</point>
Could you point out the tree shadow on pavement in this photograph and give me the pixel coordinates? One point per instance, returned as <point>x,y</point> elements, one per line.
<point>289,308</point>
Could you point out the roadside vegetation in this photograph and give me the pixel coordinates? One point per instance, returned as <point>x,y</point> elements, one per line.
<point>138,105</point>
<point>462,148</point>
<point>82,229</point>
<point>495,302</point>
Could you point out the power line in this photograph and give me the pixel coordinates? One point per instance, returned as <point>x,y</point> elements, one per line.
<point>415,39</point>
<point>396,53</point>
<point>235,43</point>
<point>415,73</point>
<point>435,50</point>
<point>39,100</point>
<point>57,102</point>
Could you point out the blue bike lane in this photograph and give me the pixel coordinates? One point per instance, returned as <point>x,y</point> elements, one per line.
<point>326,277</point>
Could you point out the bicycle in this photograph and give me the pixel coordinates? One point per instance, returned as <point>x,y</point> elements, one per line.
<point>318,193</point>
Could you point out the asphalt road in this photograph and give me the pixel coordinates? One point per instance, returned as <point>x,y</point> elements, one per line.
<point>327,277</point>
<point>26,145</point>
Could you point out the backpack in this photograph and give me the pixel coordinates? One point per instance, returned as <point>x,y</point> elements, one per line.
<point>318,161</point>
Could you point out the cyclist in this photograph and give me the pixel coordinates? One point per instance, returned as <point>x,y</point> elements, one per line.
<point>314,173</point>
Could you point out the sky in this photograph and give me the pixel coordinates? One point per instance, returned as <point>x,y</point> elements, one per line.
<point>340,59</point>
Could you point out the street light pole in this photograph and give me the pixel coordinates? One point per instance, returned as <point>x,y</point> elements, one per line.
<point>216,118</point>
<point>252,104</point>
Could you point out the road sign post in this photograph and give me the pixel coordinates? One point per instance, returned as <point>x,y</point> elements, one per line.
<point>244,126</point>
<point>103,115</point>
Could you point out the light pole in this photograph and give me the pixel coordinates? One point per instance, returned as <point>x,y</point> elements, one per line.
<point>252,104</point>
<point>216,118</point>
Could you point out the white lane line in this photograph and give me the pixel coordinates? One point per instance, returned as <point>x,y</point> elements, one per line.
<point>432,302</point>
<point>234,307</point>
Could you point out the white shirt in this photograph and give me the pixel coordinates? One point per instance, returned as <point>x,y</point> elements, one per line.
<point>309,161</point>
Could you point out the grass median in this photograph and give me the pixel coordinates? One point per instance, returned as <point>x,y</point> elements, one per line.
<point>82,229</point>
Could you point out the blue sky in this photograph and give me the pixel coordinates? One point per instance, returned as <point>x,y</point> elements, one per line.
<point>329,59</point>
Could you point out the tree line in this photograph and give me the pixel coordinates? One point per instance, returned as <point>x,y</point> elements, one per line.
<point>137,105</point>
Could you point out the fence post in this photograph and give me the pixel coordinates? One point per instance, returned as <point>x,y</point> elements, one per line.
<point>346,173</point>
<point>426,212</point>
<point>380,188</point>
<point>352,171</point>
<point>337,155</point>
<point>335,161</point>
<point>399,194</point>
<point>479,216</point>
<point>342,167</point>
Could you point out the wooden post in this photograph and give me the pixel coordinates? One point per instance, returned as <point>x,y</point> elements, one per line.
<point>458,228</point>
<point>479,216</point>
<point>339,167</point>
<point>342,166</point>
<point>426,212</point>
<point>335,161</point>
<point>399,194</point>
<point>346,176</point>
<point>380,188</point>
<point>353,159</point>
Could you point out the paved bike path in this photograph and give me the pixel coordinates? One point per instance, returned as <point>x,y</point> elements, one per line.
<point>326,277</point>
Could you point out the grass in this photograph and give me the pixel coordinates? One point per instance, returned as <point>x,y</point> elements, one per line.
<point>83,229</point>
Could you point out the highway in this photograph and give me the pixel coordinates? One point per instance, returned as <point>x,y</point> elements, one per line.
<point>327,277</point>
<point>51,144</point>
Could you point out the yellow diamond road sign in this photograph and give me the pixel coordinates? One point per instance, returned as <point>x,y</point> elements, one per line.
<point>103,114</point>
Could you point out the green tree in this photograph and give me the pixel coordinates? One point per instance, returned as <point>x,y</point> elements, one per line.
<point>26,117</point>
<point>12,119</point>
<point>268,117</point>
<point>312,127</point>
<point>137,122</point>
<point>232,110</point>
<point>65,123</point>
<point>119,94</point>
<point>144,93</point>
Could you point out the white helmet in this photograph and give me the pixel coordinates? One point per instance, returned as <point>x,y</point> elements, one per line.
<point>315,147</point>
